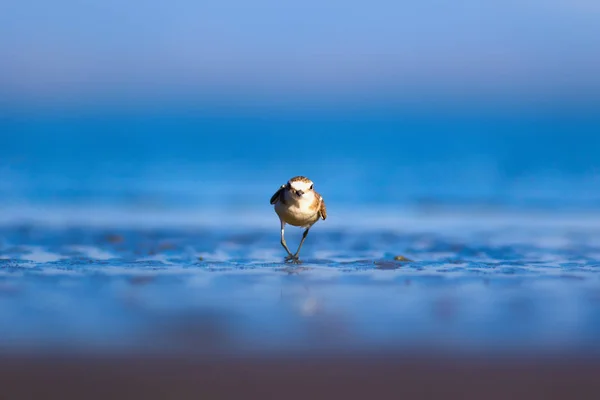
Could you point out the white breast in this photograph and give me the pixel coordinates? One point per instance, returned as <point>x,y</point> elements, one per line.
<point>298,213</point>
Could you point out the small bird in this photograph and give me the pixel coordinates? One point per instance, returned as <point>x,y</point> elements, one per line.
<point>298,204</point>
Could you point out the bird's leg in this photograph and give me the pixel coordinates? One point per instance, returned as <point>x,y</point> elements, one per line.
<point>284,244</point>
<point>304,235</point>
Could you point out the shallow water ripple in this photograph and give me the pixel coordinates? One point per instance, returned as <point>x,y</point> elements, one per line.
<point>92,289</point>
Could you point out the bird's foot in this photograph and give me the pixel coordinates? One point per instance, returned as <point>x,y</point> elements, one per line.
<point>293,259</point>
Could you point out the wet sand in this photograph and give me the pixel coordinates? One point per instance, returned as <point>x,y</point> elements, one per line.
<point>341,377</point>
<point>103,314</point>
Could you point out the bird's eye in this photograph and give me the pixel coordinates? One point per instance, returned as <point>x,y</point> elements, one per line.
<point>311,187</point>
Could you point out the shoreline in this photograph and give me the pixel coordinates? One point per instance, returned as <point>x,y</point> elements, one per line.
<point>401,218</point>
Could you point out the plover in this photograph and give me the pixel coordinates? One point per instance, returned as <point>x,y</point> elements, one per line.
<point>298,204</point>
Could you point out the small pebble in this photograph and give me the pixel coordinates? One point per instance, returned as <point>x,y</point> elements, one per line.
<point>114,238</point>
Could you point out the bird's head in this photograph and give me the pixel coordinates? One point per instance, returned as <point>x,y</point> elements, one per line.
<point>300,187</point>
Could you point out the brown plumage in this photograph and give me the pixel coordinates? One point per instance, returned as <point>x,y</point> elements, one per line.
<point>300,178</point>
<point>322,207</point>
<point>298,204</point>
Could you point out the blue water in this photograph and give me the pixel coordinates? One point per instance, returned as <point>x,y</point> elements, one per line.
<point>152,231</point>
<point>532,160</point>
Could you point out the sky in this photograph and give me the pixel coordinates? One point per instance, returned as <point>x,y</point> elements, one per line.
<point>516,49</point>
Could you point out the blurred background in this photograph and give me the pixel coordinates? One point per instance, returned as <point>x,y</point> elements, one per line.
<point>196,106</point>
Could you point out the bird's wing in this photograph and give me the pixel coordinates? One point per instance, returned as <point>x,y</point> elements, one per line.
<point>275,198</point>
<point>323,209</point>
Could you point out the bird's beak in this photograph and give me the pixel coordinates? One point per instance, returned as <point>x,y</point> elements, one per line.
<point>299,192</point>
